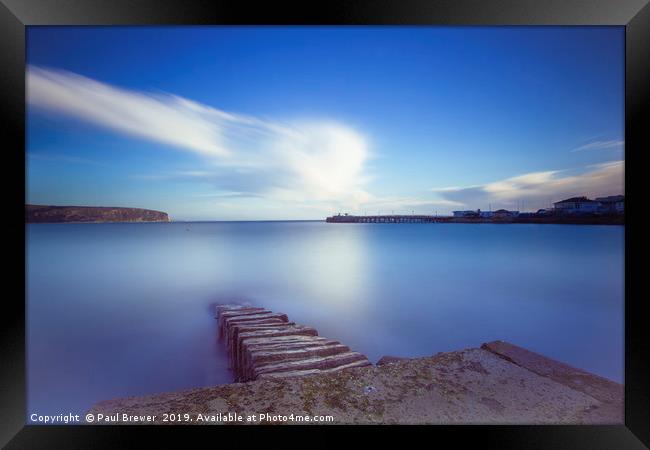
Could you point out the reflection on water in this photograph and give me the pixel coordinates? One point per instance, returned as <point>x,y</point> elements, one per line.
<point>126,309</point>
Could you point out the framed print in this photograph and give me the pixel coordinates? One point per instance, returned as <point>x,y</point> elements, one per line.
<point>398,215</point>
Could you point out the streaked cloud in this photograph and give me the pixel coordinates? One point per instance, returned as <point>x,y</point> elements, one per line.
<point>535,190</point>
<point>600,145</point>
<point>162,118</point>
<point>303,161</point>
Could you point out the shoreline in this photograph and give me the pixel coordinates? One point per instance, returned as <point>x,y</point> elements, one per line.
<point>550,221</point>
<point>596,220</point>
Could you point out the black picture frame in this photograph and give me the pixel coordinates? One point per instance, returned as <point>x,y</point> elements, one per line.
<point>15,15</point>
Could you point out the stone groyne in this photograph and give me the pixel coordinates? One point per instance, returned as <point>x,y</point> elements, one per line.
<point>263,344</point>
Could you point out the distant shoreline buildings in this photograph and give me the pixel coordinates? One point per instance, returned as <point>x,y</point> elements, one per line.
<point>574,206</point>
<point>575,210</point>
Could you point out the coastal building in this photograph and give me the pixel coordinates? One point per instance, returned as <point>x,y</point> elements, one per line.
<point>614,204</point>
<point>504,214</point>
<point>577,205</point>
<point>469,213</point>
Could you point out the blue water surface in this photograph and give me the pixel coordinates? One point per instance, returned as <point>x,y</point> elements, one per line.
<point>117,310</point>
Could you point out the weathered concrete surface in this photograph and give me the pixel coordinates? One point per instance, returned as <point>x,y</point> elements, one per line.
<point>473,386</point>
<point>598,387</point>
<point>387,359</point>
<point>311,363</point>
<point>263,343</point>
<point>264,356</point>
<point>259,348</point>
<point>256,319</point>
<point>246,327</point>
<point>355,362</point>
<point>611,394</point>
<point>238,347</point>
<point>226,311</point>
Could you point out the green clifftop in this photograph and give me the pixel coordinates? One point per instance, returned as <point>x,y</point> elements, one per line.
<point>54,214</point>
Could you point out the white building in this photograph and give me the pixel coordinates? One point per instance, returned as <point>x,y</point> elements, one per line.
<point>577,205</point>
<point>613,204</point>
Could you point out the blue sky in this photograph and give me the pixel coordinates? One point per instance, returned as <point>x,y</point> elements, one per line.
<point>237,123</point>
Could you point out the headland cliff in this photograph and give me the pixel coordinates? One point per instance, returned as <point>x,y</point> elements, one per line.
<point>60,214</point>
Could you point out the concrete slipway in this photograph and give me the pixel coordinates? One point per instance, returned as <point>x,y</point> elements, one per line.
<point>498,383</point>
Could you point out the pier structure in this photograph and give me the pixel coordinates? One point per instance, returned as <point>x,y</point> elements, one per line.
<point>386,219</point>
<point>262,344</point>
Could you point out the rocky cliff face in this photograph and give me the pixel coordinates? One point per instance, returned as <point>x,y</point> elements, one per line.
<point>53,214</point>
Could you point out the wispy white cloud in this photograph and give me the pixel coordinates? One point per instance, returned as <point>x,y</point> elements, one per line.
<point>162,118</point>
<point>536,189</point>
<point>600,145</point>
<point>303,161</point>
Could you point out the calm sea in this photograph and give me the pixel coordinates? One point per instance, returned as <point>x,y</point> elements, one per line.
<point>118,310</point>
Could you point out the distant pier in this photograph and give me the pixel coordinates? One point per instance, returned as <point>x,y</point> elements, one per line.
<point>496,219</point>
<point>346,218</point>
